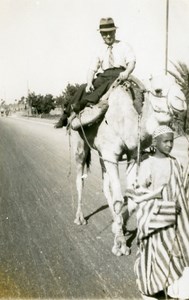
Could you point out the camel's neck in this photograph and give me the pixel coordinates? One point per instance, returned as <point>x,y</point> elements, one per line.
<point>152,118</point>
<point>148,121</point>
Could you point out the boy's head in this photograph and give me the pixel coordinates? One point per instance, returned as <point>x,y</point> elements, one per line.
<point>163,138</point>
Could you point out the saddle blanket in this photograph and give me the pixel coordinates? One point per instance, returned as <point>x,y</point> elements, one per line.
<point>90,115</point>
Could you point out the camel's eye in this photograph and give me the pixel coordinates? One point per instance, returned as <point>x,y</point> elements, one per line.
<point>158,92</point>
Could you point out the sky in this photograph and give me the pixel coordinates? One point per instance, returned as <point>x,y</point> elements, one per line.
<point>46,44</point>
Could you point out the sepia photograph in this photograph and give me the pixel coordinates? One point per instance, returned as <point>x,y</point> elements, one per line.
<point>94,149</point>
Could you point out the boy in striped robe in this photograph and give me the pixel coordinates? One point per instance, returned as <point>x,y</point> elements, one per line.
<point>162,219</point>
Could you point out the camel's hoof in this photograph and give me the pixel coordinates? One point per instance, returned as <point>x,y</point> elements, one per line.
<point>84,222</point>
<point>77,222</point>
<point>80,222</point>
<point>125,250</point>
<point>116,251</point>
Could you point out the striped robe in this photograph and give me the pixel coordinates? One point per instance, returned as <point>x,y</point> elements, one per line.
<point>163,237</point>
<point>186,184</point>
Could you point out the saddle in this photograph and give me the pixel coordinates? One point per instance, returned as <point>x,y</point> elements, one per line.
<point>95,113</point>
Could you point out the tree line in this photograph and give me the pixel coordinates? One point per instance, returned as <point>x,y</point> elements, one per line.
<point>44,104</point>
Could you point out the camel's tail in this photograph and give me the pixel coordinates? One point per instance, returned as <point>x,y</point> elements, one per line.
<point>88,159</point>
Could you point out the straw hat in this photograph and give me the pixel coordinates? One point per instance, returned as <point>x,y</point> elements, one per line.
<point>107,24</point>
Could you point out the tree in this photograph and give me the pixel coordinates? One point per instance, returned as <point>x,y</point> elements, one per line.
<point>67,94</point>
<point>34,101</point>
<point>47,104</point>
<point>182,78</point>
<point>42,104</point>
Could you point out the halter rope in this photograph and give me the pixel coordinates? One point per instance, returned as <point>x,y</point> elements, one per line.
<point>138,150</point>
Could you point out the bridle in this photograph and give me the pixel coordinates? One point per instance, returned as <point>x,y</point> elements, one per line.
<point>171,109</point>
<point>158,109</point>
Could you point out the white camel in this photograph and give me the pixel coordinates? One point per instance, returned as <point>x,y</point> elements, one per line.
<point>115,135</point>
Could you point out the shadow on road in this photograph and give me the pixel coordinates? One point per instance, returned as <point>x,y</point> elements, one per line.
<point>96,211</point>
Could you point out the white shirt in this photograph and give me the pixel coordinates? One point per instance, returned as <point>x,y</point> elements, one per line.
<point>122,53</point>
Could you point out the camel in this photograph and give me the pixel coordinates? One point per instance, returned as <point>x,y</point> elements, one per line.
<point>117,135</point>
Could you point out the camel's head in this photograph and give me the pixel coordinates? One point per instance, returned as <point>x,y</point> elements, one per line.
<point>166,99</point>
<point>165,87</point>
<point>160,84</point>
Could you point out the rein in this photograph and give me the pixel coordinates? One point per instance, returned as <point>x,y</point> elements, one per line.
<point>70,169</point>
<point>138,150</point>
<point>88,144</point>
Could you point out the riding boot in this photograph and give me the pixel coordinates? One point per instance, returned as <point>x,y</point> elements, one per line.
<point>63,121</point>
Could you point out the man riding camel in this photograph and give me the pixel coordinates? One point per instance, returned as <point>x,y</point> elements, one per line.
<point>114,59</point>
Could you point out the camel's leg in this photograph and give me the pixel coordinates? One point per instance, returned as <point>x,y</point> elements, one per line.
<point>81,154</point>
<point>113,193</point>
<point>114,182</point>
<point>106,186</point>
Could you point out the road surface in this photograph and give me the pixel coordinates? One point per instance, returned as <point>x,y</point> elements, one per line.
<point>43,254</point>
